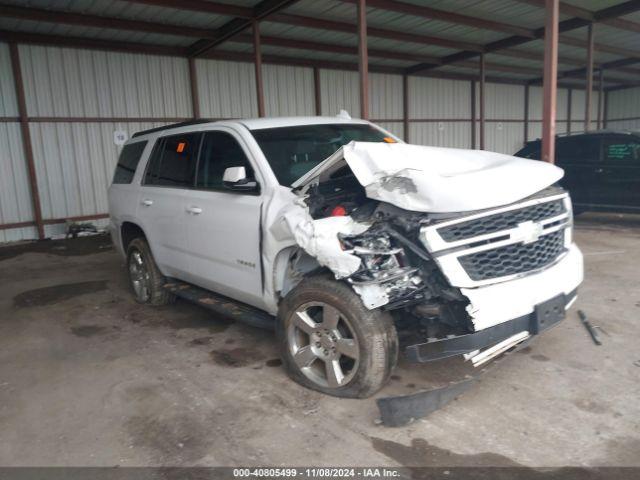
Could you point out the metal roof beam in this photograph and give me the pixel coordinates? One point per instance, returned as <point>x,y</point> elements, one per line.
<point>446,16</point>
<point>91,43</point>
<point>585,14</point>
<point>339,26</point>
<point>237,25</point>
<point>564,26</point>
<point>99,21</point>
<point>334,48</point>
<point>203,6</point>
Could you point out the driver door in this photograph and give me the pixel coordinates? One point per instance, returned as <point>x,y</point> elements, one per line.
<point>223,225</point>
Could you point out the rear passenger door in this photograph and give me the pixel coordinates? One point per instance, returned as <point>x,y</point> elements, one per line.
<point>577,156</point>
<point>224,225</point>
<point>161,202</point>
<point>618,172</point>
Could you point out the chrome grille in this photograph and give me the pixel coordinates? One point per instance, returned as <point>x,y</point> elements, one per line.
<point>501,221</point>
<point>514,259</point>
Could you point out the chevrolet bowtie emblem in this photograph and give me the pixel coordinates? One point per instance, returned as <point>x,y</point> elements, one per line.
<point>527,232</point>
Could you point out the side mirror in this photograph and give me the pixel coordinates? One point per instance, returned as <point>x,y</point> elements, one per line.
<point>235,178</point>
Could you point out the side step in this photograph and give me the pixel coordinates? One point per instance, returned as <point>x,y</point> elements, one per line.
<point>221,305</point>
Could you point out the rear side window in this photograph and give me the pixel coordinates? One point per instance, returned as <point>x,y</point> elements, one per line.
<point>220,151</point>
<point>576,150</point>
<point>173,161</point>
<point>128,162</point>
<point>622,150</point>
<point>531,151</point>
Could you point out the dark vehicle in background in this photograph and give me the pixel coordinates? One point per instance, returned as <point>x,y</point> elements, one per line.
<point>602,169</point>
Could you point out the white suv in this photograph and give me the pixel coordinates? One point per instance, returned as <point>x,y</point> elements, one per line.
<point>337,234</point>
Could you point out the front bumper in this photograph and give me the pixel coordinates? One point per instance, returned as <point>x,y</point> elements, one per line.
<point>502,310</point>
<point>463,344</point>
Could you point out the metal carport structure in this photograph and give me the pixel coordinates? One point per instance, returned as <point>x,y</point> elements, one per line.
<point>499,42</point>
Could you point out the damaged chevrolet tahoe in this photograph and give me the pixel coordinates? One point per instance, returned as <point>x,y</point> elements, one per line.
<point>352,245</point>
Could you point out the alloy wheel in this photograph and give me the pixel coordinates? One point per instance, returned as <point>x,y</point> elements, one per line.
<point>323,344</point>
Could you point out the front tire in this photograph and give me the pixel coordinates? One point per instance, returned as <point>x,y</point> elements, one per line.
<point>330,342</point>
<point>145,277</point>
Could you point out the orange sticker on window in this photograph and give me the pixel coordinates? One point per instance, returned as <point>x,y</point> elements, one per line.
<point>180,147</point>
<point>389,140</point>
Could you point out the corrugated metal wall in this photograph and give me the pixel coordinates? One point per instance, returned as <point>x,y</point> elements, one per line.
<point>440,112</point>
<point>76,99</point>
<point>15,199</point>
<point>623,109</point>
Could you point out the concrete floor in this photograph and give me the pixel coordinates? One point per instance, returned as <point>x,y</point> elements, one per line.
<point>88,377</point>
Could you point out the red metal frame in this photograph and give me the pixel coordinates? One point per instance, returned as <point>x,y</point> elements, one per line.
<point>550,87</point>
<point>363,59</point>
<point>589,79</point>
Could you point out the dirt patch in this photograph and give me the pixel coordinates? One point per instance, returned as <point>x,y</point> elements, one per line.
<point>57,293</point>
<point>540,358</point>
<point>590,406</point>
<point>200,341</point>
<point>173,440</point>
<point>422,454</point>
<point>190,316</point>
<point>66,248</point>
<point>235,357</point>
<point>274,362</point>
<point>86,331</point>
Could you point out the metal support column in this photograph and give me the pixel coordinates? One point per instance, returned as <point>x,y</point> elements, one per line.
<point>569,101</point>
<point>405,106</point>
<point>589,88</point>
<point>473,115</point>
<point>482,85</point>
<point>26,138</point>
<point>526,113</point>
<point>257,52</point>
<point>317,90</point>
<point>363,59</point>
<point>550,89</point>
<point>193,80</point>
<point>600,99</point>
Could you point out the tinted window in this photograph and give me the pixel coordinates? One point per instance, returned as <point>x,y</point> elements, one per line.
<point>128,162</point>
<point>220,151</point>
<point>293,151</point>
<point>621,150</point>
<point>580,149</point>
<point>173,161</point>
<point>531,151</point>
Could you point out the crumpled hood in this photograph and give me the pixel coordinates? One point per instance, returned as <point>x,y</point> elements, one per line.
<point>437,180</point>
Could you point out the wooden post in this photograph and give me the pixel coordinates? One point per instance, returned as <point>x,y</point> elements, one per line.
<point>589,88</point>
<point>257,52</point>
<point>363,59</point>
<point>550,80</point>
<point>26,138</point>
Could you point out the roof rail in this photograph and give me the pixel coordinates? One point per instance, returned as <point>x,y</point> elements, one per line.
<point>172,125</point>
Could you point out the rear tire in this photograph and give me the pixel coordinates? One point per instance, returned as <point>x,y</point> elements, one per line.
<point>330,342</point>
<point>144,276</point>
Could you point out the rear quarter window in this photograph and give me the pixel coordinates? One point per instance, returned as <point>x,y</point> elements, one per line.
<point>128,162</point>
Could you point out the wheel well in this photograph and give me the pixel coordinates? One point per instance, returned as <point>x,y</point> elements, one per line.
<point>128,232</point>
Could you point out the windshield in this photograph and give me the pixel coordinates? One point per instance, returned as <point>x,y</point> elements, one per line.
<point>293,151</point>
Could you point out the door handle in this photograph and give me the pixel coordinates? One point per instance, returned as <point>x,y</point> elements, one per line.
<point>194,210</point>
<point>146,202</point>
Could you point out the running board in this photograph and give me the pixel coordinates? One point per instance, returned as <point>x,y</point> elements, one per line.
<point>221,305</point>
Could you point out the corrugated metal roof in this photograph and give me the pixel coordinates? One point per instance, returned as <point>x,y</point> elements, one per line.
<point>512,12</point>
